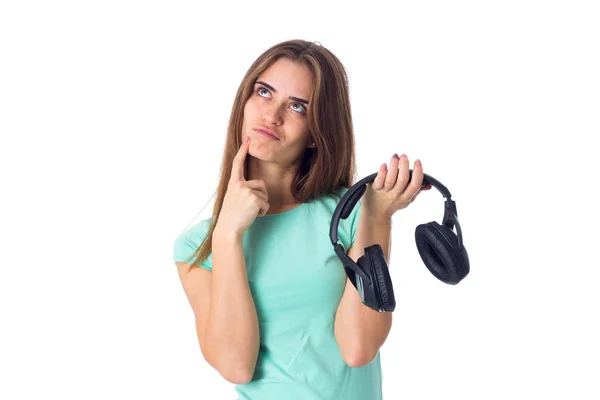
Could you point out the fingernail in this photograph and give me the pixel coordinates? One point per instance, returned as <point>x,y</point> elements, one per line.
<point>247,139</point>
<point>403,155</point>
<point>396,156</point>
<point>418,162</point>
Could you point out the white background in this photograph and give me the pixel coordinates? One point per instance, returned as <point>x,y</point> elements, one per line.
<point>113,117</point>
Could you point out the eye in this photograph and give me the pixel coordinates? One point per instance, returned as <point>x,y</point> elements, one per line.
<point>262,88</point>
<point>302,109</point>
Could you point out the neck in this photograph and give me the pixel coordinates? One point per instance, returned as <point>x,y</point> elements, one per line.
<point>278,181</point>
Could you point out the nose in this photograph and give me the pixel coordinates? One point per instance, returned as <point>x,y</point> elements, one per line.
<point>271,115</point>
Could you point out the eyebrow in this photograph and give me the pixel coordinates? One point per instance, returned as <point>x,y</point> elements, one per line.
<point>291,97</point>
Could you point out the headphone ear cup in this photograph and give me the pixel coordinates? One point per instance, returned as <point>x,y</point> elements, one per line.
<point>381,274</point>
<point>438,247</point>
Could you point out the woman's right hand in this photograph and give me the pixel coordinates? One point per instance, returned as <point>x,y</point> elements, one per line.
<point>244,200</point>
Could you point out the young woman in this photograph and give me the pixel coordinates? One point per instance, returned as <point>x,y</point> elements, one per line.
<point>275,313</point>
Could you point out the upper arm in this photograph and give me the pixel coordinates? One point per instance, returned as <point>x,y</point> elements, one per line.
<point>355,253</point>
<point>196,284</point>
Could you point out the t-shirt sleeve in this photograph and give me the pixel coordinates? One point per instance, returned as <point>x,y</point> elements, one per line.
<point>353,217</point>
<point>188,241</point>
<point>348,227</point>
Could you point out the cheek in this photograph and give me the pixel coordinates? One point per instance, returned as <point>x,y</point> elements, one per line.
<point>247,107</point>
<point>252,107</point>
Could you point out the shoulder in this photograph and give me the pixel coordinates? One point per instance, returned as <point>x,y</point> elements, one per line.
<point>198,230</point>
<point>187,241</point>
<point>333,198</point>
<point>322,209</point>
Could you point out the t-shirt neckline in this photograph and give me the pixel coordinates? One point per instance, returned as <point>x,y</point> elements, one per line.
<point>268,216</point>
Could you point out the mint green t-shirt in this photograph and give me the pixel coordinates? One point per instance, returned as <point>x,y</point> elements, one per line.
<point>297,281</point>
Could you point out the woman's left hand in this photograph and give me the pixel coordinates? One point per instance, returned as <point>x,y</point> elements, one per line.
<point>389,192</point>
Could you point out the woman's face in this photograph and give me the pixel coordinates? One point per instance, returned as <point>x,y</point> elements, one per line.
<point>279,103</point>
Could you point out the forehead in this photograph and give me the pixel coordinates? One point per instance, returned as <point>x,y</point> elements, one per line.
<point>288,78</point>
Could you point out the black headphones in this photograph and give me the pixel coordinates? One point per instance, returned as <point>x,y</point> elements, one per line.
<point>439,247</point>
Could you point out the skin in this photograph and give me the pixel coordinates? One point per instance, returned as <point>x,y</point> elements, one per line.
<point>390,192</point>
<point>276,161</point>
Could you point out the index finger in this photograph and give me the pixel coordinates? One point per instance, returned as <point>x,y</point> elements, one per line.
<point>237,169</point>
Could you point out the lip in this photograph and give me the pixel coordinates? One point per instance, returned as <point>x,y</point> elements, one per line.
<point>267,133</point>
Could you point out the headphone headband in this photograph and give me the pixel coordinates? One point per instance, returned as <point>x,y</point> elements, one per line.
<point>441,250</point>
<point>353,195</point>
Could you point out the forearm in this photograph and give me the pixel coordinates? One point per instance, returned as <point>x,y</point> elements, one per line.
<point>232,333</point>
<point>361,331</point>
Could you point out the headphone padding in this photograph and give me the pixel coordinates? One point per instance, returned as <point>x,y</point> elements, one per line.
<point>438,248</point>
<point>381,275</point>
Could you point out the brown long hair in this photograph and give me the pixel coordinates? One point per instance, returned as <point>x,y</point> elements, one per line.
<point>324,169</point>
